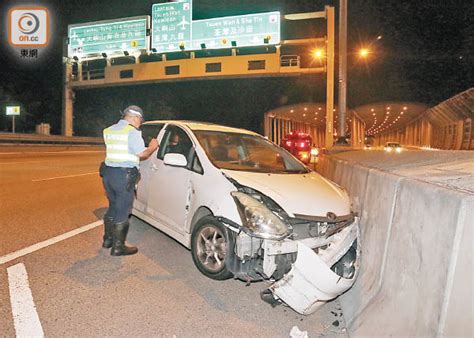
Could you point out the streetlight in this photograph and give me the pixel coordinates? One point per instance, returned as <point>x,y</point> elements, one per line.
<point>318,54</point>
<point>364,53</point>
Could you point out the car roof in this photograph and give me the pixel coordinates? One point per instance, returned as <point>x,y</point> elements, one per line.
<point>205,126</point>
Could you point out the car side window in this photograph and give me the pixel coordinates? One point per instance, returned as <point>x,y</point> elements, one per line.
<point>176,141</point>
<point>150,131</point>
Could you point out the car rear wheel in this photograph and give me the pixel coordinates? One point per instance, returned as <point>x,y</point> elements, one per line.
<point>209,244</point>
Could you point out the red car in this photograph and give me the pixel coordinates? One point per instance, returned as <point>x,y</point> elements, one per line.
<point>298,144</point>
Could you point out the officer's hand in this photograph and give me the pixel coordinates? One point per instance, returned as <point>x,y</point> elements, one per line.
<point>153,145</point>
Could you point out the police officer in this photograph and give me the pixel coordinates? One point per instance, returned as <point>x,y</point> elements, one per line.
<point>124,150</point>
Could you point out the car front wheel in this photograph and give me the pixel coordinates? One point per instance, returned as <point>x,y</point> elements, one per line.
<point>210,240</point>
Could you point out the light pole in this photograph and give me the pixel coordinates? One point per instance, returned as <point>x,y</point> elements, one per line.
<point>342,104</point>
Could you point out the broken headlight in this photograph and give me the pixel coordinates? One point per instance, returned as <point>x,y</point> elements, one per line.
<point>258,220</point>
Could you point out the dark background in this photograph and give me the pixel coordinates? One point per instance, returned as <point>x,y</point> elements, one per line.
<point>425,56</point>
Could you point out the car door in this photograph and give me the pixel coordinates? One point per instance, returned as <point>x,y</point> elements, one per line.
<point>170,188</point>
<point>149,131</point>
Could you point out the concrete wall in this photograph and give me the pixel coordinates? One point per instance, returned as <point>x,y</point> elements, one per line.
<point>416,277</point>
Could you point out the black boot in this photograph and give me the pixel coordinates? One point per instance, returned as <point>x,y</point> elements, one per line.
<point>118,244</point>
<point>108,232</point>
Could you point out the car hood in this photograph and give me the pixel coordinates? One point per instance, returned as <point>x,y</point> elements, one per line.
<point>304,194</point>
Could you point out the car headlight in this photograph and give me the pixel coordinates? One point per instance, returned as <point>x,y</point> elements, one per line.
<point>258,220</point>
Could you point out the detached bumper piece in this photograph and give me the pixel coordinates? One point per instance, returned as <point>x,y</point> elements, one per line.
<point>311,282</point>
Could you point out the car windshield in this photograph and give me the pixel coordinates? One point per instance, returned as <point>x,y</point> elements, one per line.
<point>245,152</point>
<point>393,145</point>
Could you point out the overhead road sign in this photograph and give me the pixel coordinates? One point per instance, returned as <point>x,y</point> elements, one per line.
<point>237,31</point>
<point>171,26</point>
<point>13,110</point>
<point>110,36</point>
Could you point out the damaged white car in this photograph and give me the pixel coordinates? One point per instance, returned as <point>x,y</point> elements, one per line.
<point>250,210</point>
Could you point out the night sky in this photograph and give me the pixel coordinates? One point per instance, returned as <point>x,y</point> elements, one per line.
<point>425,55</point>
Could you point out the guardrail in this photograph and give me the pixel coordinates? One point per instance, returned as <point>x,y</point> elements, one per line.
<point>49,139</point>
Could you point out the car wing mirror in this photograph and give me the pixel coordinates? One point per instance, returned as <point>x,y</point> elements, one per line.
<point>175,160</point>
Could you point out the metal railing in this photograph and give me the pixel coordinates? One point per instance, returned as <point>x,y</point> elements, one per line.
<point>290,61</point>
<point>49,139</point>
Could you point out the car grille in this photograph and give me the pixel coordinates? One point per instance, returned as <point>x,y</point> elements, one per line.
<point>313,226</point>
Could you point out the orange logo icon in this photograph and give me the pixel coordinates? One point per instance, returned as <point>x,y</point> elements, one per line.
<point>28,26</point>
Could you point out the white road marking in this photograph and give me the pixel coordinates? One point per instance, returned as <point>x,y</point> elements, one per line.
<point>25,317</point>
<point>38,246</point>
<point>67,176</point>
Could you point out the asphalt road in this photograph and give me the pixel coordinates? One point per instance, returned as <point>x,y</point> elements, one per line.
<point>78,289</point>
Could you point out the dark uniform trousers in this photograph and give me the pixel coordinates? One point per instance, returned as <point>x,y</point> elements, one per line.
<point>120,188</point>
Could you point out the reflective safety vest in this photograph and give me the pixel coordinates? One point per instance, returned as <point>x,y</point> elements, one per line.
<point>116,143</point>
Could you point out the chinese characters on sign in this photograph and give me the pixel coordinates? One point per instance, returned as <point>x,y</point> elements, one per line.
<point>244,30</point>
<point>108,36</point>
<point>173,30</point>
<point>171,26</point>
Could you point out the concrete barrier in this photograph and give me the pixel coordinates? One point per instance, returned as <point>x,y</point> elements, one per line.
<point>416,277</point>
<point>376,221</point>
<point>457,314</point>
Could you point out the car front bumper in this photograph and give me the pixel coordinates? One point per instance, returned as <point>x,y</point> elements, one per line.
<point>311,282</point>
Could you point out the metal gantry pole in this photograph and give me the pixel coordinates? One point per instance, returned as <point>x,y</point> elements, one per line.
<point>342,70</point>
<point>68,101</point>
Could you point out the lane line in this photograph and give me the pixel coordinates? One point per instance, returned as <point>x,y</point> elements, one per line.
<point>53,152</point>
<point>67,176</point>
<point>38,246</point>
<point>25,317</point>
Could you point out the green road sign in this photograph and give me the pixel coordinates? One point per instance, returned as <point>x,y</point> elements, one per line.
<point>245,30</point>
<point>111,36</point>
<point>171,26</point>
<point>13,110</point>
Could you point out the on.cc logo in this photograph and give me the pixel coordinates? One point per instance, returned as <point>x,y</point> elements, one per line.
<point>28,26</point>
